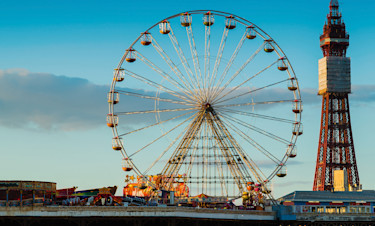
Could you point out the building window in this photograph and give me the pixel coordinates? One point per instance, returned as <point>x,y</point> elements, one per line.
<point>359,209</point>
<point>331,209</point>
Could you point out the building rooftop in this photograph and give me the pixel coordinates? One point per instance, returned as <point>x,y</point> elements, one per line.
<point>328,196</point>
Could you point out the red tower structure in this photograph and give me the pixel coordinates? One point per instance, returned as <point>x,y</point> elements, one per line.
<point>336,148</point>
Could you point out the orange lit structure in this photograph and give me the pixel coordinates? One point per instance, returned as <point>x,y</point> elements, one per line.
<point>141,189</point>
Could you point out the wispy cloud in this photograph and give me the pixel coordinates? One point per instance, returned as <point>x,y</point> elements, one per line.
<point>271,165</point>
<point>360,94</point>
<point>291,183</point>
<point>363,93</point>
<point>46,101</point>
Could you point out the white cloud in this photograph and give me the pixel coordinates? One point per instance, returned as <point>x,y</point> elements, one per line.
<point>46,101</point>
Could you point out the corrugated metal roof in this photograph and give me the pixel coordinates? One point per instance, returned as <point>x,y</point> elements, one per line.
<point>327,196</point>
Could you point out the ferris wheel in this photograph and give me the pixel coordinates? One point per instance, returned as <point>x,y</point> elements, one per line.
<point>207,99</point>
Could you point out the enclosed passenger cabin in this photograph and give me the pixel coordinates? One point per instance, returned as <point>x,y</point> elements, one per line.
<point>230,23</point>
<point>208,19</point>
<point>268,48</point>
<point>130,57</point>
<point>116,143</point>
<point>297,107</point>
<point>119,74</point>
<point>266,190</point>
<point>113,97</point>
<point>282,64</point>
<point>165,27</point>
<point>297,129</point>
<point>112,120</point>
<point>292,86</point>
<point>282,171</point>
<point>185,19</point>
<point>146,38</point>
<point>126,165</point>
<point>292,151</point>
<point>250,32</point>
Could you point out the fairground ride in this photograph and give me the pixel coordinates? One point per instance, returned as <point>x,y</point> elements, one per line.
<point>205,99</point>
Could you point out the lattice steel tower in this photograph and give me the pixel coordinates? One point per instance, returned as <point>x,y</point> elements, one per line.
<point>336,148</point>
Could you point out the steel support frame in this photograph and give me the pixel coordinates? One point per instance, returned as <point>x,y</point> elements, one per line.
<point>336,147</point>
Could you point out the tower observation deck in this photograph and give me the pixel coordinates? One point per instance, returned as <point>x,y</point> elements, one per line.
<point>336,147</point>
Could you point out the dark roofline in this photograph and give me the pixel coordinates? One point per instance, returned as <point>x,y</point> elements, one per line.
<point>328,196</point>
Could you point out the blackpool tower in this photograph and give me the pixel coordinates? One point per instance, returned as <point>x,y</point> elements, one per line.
<point>336,155</point>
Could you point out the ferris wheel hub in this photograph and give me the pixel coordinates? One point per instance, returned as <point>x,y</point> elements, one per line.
<point>207,107</point>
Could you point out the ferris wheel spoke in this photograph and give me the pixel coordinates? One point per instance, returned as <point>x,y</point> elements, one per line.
<point>192,160</point>
<point>240,151</point>
<point>226,151</point>
<point>231,60</point>
<point>194,156</point>
<point>194,54</point>
<point>163,135</point>
<point>253,103</point>
<point>207,50</point>
<point>173,66</point>
<point>206,157</point>
<point>177,158</point>
<point>183,60</point>
<point>257,129</point>
<point>154,111</point>
<point>164,152</point>
<point>158,86</point>
<point>257,115</point>
<point>254,168</point>
<point>192,131</point>
<point>153,97</point>
<point>251,141</point>
<point>240,69</point>
<point>163,74</point>
<point>155,124</point>
<point>219,54</point>
<point>258,173</point>
<point>241,84</point>
<point>221,174</point>
<point>251,91</point>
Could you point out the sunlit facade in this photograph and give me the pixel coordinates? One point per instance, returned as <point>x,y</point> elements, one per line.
<point>316,202</point>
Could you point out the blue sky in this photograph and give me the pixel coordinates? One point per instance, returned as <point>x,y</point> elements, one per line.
<point>56,64</point>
